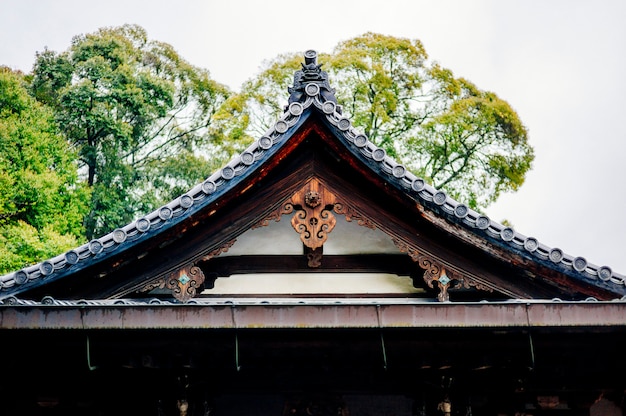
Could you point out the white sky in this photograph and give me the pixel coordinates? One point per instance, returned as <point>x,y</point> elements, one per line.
<point>560,64</point>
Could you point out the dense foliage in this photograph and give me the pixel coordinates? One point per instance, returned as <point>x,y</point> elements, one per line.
<point>42,203</point>
<point>134,109</point>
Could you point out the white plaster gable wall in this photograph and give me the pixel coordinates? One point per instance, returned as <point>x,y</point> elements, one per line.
<point>279,238</point>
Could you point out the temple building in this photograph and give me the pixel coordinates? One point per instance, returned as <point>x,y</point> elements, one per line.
<point>313,275</point>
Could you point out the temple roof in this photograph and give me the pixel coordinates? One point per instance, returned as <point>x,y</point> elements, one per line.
<point>313,110</point>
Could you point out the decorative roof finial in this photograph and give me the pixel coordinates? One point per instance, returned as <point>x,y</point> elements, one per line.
<point>310,57</point>
<point>311,81</point>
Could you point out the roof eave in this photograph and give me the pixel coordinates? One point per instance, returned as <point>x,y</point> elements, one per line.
<point>292,314</point>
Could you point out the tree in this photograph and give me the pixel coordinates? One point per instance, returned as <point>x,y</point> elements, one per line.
<point>457,137</point>
<point>42,203</point>
<point>133,108</point>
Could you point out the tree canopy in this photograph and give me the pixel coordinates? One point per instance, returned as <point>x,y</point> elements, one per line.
<point>457,137</point>
<point>42,203</point>
<point>135,111</point>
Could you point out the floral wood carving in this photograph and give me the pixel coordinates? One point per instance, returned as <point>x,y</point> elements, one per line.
<point>341,208</point>
<point>313,218</point>
<point>352,214</point>
<point>467,283</point>
<point>221,249</point>
<point>184,288</point>
<point>274,216</point>
<point>433,271</point>
<point>154,284</point>
<point>313,206</point>
<point>436,272</point>
<point>182,283</point>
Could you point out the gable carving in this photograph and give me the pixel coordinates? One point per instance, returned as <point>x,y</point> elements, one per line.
<point>313,218</point>
<point>221,249</point>
<point>352,214</point>
<point>314,257</point>
<point>183,283</point>
<point>435,272</point>
<point>313,207</point>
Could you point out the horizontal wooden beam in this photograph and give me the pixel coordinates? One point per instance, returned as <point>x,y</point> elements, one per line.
<point>225,266</point>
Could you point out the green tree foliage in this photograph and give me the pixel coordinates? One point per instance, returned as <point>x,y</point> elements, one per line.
<point>136,112</point>
<point>457,137</point>
<point>42,204</point>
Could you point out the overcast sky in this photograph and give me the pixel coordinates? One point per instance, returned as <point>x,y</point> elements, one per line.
<point>560,64</point>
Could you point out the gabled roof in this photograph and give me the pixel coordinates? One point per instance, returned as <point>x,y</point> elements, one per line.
<point>313,155</point>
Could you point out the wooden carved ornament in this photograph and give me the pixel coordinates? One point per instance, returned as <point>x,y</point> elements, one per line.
<point>313,218</point>
<point>433,271</point>
<point>182,283</point>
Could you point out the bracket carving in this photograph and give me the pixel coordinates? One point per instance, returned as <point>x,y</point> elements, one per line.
<point>313,206</point>
<point>433,271</point>
<point>467,283</point>
<point>275,215</point>
<point>313,218</point>
<point>352,214</point>
<point>182,283</point>
<point>314,257</point>
<point>221,249</point>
